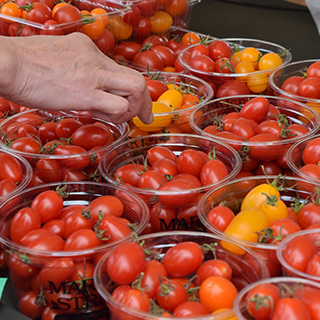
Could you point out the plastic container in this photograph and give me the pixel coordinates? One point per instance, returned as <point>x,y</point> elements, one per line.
<point>243,273</point>
<point>63,278</point>
<point>16,174</point>
<point>173,209</point>
<point>258,80</point>
<point>178,117</point>
<point>305,266</point>
<point>302,289</point>
<point>263,151</point>
<point>292,69</point>
<point>299,156</point>
<point>71,163</point>
<point>163,13</point>
<point>29,26</point>
<point>231,195</point>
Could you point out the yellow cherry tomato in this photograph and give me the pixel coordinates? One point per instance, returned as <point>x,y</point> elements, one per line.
<point>169,69</point>
<point>245,226</point>
<point>100,14</point>
<point>235,58</point>
<point>274,208</point>
<point>229,310</point>
<point>92,27</point>
<point>175,86</point>
<point>161,118</point>
<point>256,197</point>
<point>119,28</point>
<point>10,9</point>
<point>161,22</point>
<point>269,61</point>
<point>244,67</point>
<point>257,83</point>
<point>315,106</point>
<point>171,98</point>
<point>250,54</point>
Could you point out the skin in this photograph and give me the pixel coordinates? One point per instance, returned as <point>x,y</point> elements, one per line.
<point>70,73</point>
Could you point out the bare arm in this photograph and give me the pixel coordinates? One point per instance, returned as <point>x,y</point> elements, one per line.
<point>69,72</point>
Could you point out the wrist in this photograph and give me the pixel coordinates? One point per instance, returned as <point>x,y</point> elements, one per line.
<point>8,65</point>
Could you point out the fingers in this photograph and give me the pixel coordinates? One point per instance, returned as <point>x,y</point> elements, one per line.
<point>130,86</point>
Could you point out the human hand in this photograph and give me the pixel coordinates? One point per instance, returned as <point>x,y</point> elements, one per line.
<point>70,73</point>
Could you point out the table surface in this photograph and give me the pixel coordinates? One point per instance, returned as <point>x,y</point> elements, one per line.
<point>281,22</point>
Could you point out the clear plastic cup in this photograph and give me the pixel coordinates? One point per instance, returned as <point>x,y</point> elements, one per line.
<point>296,162</point>
<point>231,195</point>
<point>253,82</point>
<point>47,163</point>
<point>301,288</point>
<point>305,266</point>
<point>180,205</point>
<point>242,269</point>
<point>171,12</point>
<point>16,177</point>
<point>62,279</point>
<point>255,152</point>
<point>292,69</point>
<point>177,119</point>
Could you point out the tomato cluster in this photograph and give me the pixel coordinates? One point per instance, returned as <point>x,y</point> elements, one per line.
<point>155,51</point>
<point>61,147</point>
<point>149,16</point>
<point>261,214</point>
<point>260,128</point>
<point>221,62</point>
<point>105,22</point>
<point>174,97</point>
<point>52,18</point>
<point>300,254</point>
<point>185,278</point>
<point>303,158</point>
<point>307,85</point>
<point>13,173</point>
<point>45,230</point>
<point>280,299</point>
<point>9,108</point>
<point>172,181</point>
<point>170,173</point>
